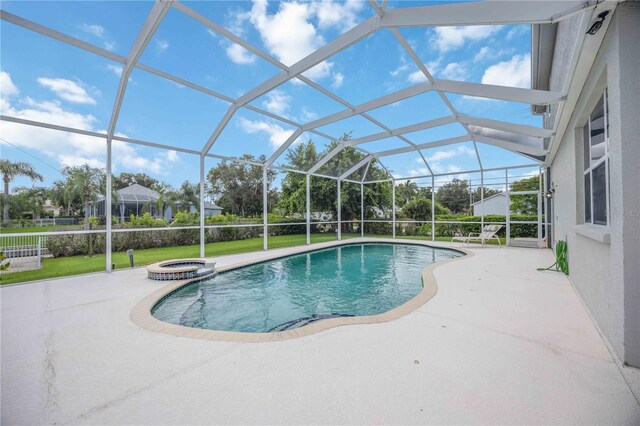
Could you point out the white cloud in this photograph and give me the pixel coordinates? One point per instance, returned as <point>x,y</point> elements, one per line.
<point>240,55</point>
<point>482,54</point>
<point>172,156</point>
<point>289,34</point>
<point>455,71</point>
<point>277,102</point>
<point>517,30</point>
<point>343,15</point>
<point>277,135</point>
<point>515,72</point>
<point>451,38</point>
<point>161,45</point>
<point>308,115</point>
<point>235,52</point>
<point>403,67</point>
<point>99,32</point>
<point>486,53</point>
<point>93,29</point>
<point>435,160</point>
<point>421,171</point>
<point>67,90</point>
<point>116,69</point>
<point>7,88</point>
<point>70,149</point>
<point>338,79</point>
<point>417,77</point>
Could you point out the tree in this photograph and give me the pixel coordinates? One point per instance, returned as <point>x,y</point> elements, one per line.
<point>10,171</point>
<point>324,191</point>
<point>476,195</point>
<point>127,179</point>
<point>84,182</point>
<point>60,195</point>
<point>419,208</point>
<point>237,187</point>
<point>405,192</point>
<point>167,197</point>
<point>525,204</point>
<point>29,200</point>
<point>454,195</point>
<point>188,194</point>
<point>294,187</point>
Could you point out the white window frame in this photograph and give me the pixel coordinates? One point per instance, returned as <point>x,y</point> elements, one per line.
<point>592,166</point>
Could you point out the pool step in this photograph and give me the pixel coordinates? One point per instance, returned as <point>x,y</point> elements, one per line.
<point>301,322</point>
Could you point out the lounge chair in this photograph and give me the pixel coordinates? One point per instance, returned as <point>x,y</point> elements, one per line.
<point>489,232</point>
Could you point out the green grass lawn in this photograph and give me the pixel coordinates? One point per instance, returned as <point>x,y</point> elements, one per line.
<point>64,266</point>
<point>38,229</point>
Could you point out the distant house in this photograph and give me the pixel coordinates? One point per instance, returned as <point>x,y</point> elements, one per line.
<point>137,199</point>
<point>495,204</point>
<point>49,207</point>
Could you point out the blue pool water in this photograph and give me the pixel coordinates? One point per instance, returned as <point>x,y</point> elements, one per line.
<point>290,292</point>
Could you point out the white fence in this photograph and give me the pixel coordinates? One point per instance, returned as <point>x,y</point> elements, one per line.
<point>24,252</point>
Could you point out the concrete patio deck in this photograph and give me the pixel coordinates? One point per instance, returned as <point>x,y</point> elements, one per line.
<point>499,343</point>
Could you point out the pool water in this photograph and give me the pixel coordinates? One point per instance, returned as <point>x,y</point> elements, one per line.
<point>293,291</point>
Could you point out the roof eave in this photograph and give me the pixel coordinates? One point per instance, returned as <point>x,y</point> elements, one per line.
<point>543,41</point>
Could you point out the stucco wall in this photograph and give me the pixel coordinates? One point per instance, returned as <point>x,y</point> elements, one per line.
<point>494,205</point>
<point>607,274</point>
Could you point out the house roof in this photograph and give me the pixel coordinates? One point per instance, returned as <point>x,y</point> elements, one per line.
<point>499,194</point>
<point>137,192</point>
<point>208,205</point>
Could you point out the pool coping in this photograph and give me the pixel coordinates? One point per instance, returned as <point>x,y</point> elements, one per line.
<point>141,313</point>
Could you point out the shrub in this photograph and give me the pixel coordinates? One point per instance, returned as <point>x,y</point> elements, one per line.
<point>146,221</point>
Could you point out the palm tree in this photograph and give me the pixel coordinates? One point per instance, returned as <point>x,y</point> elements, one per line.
<point>34,198</point>
<point>10,171</point>
<point>405,192</point>
<point>83,181</point>
<point>189,194</point>
<point>166,198</point>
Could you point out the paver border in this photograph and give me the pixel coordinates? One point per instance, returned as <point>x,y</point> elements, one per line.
<point>141,313</point>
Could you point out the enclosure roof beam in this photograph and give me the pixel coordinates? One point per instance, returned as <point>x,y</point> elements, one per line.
<point>233,38</point>
<point>524,166</point>
<point>441,142</point>
<point>535,132</point>
<point>324,160</point>
<point>403,130</point>
<point>359,109</point>
<point>511,146</point>
<point>503,93</point>
<point>366,171</point>
<point>484,13</point>
<point>228,34</point>
<point>41,29</point>
<point>350,37</point>
<point>368,106</point>
<point>121,139</point>
<point>282,148</point>
<point>157,13</point>
<point>382,135</point>
<point>357,166</point>
<point>219,128</point>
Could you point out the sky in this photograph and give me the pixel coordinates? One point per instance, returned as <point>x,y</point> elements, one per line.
<point>46,80</point>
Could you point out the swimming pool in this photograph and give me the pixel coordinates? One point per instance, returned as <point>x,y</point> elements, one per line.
<point>298,290</point>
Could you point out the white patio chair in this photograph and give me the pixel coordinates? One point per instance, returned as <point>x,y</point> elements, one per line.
<point>488,233</point>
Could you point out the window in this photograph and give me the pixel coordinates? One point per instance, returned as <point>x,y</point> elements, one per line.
<point>596,164</point>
